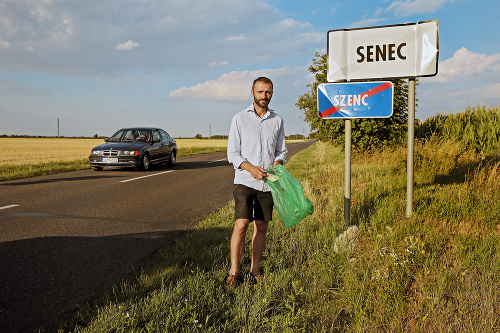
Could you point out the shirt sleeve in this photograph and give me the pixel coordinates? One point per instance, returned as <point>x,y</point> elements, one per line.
<point>234,144</point>
<point>281,150</point>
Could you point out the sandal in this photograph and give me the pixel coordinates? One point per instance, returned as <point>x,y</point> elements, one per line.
<point>255,279</point>
<point>232,281</point>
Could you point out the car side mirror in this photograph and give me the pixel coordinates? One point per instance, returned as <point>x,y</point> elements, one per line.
<point>106,139</point>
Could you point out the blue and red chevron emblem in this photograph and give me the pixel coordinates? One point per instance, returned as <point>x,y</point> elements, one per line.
<point>355,100</point>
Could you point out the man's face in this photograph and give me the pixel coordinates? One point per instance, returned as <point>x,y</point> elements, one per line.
<point>262,93</point>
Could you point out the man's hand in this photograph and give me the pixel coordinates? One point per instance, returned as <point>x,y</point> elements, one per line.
<point>256,171</point>
<point>278,162</point>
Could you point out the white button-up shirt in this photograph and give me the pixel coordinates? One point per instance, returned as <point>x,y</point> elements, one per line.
<point>258,141</point>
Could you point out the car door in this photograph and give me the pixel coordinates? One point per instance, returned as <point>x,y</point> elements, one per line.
<point>167,140</point>
<point>156,150</point>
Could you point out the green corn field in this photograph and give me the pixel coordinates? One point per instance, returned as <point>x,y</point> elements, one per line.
<point>477,128</point>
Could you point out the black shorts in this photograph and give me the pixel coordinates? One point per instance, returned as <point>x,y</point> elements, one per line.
<point>252,204</point>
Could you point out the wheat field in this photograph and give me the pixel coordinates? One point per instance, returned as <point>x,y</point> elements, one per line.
<point>40,150</point>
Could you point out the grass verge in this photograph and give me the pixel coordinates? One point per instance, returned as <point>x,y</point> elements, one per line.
<point>20,171</point>
<point>437,271</point>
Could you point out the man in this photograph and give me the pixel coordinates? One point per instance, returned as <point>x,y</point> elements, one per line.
<point>256,139</point>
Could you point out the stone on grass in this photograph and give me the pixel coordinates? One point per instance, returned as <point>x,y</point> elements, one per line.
<point>346,241</point>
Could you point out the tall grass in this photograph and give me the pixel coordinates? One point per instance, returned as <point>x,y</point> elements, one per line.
<point>477,127</point>
<point>438,271</point>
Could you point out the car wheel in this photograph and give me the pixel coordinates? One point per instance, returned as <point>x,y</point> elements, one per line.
<point>145,165</point>
<point>173,158</point>
<point>97,169</point>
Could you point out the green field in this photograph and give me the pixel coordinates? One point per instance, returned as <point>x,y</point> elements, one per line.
<point>438,271</point>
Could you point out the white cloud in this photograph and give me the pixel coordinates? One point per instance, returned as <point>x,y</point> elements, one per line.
<point>486,92</point>
<point>467,65</point>
<point>74,38</point>
<point>402,9</point>
<point>220,63</point>
<point>128,45</point>
<point>467,78</point>
<point>409,7</point>
<point>367,22</point>
<point>233,86</point>
<point>4,44</point>
<point>291,23</point>
<point>26,21</point>
<point>317,37</point>
<point>235,38</point>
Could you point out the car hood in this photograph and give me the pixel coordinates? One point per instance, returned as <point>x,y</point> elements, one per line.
<point>122,146</point>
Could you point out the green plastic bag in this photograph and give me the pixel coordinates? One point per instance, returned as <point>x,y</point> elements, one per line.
<point>288,195</point>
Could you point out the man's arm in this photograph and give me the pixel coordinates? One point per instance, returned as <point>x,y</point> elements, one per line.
<point>256,171</point>
<point>234,145</point>
<point>281,150</point>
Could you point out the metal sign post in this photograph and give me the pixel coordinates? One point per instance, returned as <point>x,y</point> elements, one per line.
<point>347,174</point>
<point>411,147</point>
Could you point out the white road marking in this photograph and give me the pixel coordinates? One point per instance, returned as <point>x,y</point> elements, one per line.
<point>155,174</point>
<point>224,159</point>
<point>10,206</point>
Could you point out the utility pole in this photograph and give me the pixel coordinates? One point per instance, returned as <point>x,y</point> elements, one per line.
<point>210,131</point>
<point>58,127</point>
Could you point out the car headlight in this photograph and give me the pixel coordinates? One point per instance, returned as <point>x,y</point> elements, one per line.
<point>96,152</point>
<point>130,152</point>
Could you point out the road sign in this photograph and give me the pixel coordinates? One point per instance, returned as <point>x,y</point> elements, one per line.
<point>395,51</point>
<point>355,100</point>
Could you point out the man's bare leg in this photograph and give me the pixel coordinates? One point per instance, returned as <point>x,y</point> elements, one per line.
<point>237,244</point>
<point>258,245</point>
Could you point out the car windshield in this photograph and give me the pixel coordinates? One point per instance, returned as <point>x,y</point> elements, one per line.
<point>131,135</point>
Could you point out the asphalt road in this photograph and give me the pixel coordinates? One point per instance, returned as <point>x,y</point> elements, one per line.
<point>66,239</point>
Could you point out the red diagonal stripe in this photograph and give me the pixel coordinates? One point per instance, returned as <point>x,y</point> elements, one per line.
<point>371,92</point>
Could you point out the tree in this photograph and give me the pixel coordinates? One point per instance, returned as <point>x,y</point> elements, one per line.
<point>368,133</point>
<point>198,136</point>
<point>296,137</point>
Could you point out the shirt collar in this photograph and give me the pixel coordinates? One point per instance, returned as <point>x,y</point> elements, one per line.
<point>268,113</point>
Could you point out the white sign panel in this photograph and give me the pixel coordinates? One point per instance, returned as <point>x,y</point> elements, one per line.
<point>396,51</point>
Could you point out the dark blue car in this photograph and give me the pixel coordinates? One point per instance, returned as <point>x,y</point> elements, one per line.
<point>137,147</point>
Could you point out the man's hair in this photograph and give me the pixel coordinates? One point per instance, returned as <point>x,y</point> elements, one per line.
<point>262,79</point>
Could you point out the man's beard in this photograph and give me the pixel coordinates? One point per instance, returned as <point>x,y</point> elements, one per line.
<point>263,103</point>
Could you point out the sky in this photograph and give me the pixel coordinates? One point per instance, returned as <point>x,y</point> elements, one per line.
<point>86,67</point>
